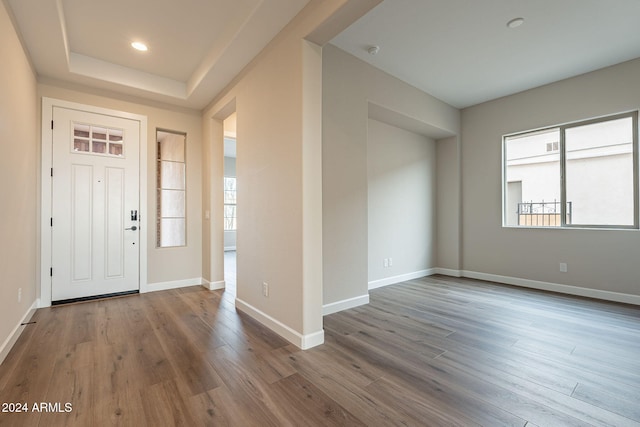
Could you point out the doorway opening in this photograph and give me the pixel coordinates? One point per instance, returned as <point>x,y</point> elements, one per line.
<point>230,205</point>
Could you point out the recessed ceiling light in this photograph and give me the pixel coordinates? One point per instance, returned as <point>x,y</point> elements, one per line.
<point>516,22</point>
<point>139,46</point>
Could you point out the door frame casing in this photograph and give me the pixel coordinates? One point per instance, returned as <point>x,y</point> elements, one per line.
<point>46,190</point>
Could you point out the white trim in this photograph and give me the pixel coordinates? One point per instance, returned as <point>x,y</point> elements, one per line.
<point>229,248</point>
<point>145,216</point>
<point>345,304</point>
<point>312,340</point>
<point>45,180</point>
<point>447,272</point>
<point>302,341</point>
<point>8,344</point>
<point>213,286</point>
<point>46,201</point>
<point>163,286</point>
<point>555,287</point>
<point>515,281</point>
<point>401,278</point>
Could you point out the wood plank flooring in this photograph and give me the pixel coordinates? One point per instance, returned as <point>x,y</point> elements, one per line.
<point>437,351</point>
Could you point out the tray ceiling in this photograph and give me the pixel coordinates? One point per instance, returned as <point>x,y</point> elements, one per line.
<point>195,46</point>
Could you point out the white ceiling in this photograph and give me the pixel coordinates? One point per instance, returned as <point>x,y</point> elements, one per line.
<point>462,52</point>
<point>196,47</point>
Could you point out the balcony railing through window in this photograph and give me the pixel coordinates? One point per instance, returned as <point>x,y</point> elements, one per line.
<point>542,214</point>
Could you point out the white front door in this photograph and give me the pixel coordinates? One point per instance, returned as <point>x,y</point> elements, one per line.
<point>95,204</point>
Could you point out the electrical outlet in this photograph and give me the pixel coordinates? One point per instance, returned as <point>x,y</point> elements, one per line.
<point>563,267</point>
<point>390,262</point>
<point>19,294</point>
<point>265,289</point>
<point>386,262</point>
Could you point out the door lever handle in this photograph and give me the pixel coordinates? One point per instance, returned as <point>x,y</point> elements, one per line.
<point>132,228</point>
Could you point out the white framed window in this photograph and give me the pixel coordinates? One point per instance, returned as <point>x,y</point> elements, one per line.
<point>230,192</point>
<point>582,174</point>
<point>171,189</point>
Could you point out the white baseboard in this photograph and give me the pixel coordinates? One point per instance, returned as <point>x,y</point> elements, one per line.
<point>555,287</point>
<point>163,286</point>
<point>401,278</point>
<point>346,304</point>
<point>302,341</point>
<point>312,340</point>
<point>515,281</point>
<point>213,286</point>
<point>7,345</point>
<point>447,272</point>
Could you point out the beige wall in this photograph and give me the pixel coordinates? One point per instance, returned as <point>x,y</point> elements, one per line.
<point>19,162</point>
<point>277,100</point>
<point>349,87</point>
<point>401,171</point>
<point>448,212</point>
<point>166,264</point>
<point>604,260</point>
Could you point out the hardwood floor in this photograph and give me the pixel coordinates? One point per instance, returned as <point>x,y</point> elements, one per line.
<point>230,272</point>
<point>434,351</point>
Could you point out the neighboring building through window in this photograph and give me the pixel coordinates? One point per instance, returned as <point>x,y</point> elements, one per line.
<point>577,175</point>
<point>229,203</point>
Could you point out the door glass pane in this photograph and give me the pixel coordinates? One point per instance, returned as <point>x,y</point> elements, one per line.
<point>115,149</point>
<point>115,135</point>
<point>81,130</point>
<point>599,172</point>
<point>115,142</point>
<point>99,147</point>
<point>80,145</point>
<point>99,133</point>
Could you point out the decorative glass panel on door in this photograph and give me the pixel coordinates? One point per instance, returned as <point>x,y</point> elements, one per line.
<point>89,139</point>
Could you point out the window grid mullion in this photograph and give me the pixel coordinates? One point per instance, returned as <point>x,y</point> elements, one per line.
<point>563,178</point>
<point>634,127</point>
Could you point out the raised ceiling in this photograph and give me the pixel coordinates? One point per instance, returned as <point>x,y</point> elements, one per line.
<point>462,52</point>
<point>196,47</point>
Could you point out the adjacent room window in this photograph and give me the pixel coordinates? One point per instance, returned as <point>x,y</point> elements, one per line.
<point>581,174</point>
<point>171,189</point>
<point>229,203</point>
